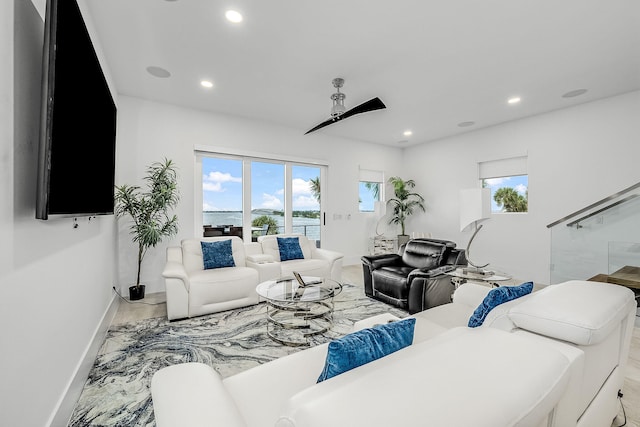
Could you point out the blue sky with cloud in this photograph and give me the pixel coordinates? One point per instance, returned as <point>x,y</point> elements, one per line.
<point>222,185</point>
<point>519,183</point>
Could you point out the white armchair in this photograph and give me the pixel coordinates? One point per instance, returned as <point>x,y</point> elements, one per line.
<point>316,262</point>
<point>193,290</point>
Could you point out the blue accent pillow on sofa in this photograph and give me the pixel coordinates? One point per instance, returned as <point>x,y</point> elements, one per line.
<point>365,346</point>
<point>217,254</point>
<point>495,297</point>
<point>289,248</point>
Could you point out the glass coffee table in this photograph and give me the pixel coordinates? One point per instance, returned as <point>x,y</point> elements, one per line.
<point>295,312</point>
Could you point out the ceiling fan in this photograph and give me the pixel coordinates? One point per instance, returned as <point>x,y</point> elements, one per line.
<point>339,112</point>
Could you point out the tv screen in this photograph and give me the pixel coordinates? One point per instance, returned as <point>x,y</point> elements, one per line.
<point>78,128</point>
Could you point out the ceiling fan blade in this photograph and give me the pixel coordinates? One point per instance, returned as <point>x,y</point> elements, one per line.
<point>325,123</point>
<point>370,105</point>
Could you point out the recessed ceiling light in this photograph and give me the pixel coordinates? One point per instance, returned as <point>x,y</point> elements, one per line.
<point>206,83</point>
<point>514,100</point>
<point>407,133</point>
<point>573,93</point>
<point>233,16</point>
<point>466,124</point>
<point>158,72</point>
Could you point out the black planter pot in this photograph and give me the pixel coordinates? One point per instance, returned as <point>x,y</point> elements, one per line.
<point>136,292</point>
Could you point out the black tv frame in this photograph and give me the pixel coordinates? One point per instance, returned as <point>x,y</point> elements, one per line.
<point>76,159</point>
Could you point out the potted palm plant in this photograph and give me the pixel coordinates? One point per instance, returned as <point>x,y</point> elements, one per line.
<point>403,204</point>
<point>149,212</point>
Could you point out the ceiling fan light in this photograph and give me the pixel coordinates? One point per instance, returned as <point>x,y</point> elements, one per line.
<point>337,109</point>
<point>339,112</point>
<point>338,104</point>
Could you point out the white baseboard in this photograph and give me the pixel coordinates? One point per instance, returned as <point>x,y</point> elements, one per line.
<point>66,404</point>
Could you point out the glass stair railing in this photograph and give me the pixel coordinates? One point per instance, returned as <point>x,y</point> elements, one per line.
<point>600,242</point>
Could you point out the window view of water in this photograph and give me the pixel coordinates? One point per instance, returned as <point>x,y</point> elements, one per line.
<point>309,227</point>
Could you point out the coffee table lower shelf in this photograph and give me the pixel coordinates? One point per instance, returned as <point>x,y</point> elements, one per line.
<point>292,323</point>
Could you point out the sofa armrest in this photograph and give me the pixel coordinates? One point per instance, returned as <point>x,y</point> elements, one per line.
<point>176,283</point>
<point>333,258</point>
<point>470,294</point>
<point>267,267</point>
<point>429,273</point>
<point>374,262</point>
<point>326,254</point>
<point>260,258</point>
<point>192,394</point>
<point>429,291</point>
<point>175,270</point>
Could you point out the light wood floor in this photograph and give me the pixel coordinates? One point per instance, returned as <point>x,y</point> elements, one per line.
<point>153,305</point>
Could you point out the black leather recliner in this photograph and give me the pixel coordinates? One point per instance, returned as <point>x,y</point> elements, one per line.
<point>414,279</point>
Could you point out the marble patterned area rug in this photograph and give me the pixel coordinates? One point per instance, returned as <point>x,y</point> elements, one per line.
<point>117,392</point>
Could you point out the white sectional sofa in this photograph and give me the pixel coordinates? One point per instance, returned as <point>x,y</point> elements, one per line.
<point>193,290</point>
<point>552,358</point>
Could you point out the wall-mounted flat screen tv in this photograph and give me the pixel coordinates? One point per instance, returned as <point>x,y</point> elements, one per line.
<point>76,161</point>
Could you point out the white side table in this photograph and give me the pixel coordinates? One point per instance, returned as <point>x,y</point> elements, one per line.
<point>490,278</point>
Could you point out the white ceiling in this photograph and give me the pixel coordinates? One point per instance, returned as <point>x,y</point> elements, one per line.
<point>434,64</point>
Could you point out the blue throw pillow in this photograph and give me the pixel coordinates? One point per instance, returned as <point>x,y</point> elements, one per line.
<point>217,254</point>
<point>289,248</point>
<point>365,346</point>
<point>495,297</point>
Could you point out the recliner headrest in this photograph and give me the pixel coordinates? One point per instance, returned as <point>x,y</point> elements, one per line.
<point>420,253</point>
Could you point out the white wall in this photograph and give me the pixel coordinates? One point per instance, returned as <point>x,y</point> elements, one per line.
<point>576,156</point>
<point>55,281</point>
<point>149,131</point>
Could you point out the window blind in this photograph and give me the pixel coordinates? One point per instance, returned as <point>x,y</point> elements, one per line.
<point>512,166</point>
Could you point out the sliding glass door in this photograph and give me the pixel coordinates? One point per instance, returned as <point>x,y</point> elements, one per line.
<point>267,197</point>
<point>250,197</point>
<point>222,202</point>
<point>305,201</point>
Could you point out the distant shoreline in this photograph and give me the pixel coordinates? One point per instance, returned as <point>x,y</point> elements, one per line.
<point>314,214</point>
<point>265,211</point>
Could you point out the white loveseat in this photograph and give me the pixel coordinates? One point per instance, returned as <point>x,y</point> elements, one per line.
<point>193,290</point>
<point>553,358</point>
<point>264,256</point>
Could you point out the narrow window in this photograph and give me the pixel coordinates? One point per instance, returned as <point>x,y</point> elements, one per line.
<point>369,189</point>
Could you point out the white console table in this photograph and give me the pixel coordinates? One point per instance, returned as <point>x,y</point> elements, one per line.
<point>383,245</point>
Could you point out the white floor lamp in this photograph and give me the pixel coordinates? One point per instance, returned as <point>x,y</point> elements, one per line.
<point>475,207</point>
<point>380,209</point>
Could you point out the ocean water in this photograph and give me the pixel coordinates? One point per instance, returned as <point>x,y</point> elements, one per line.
<point>309,227</point>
